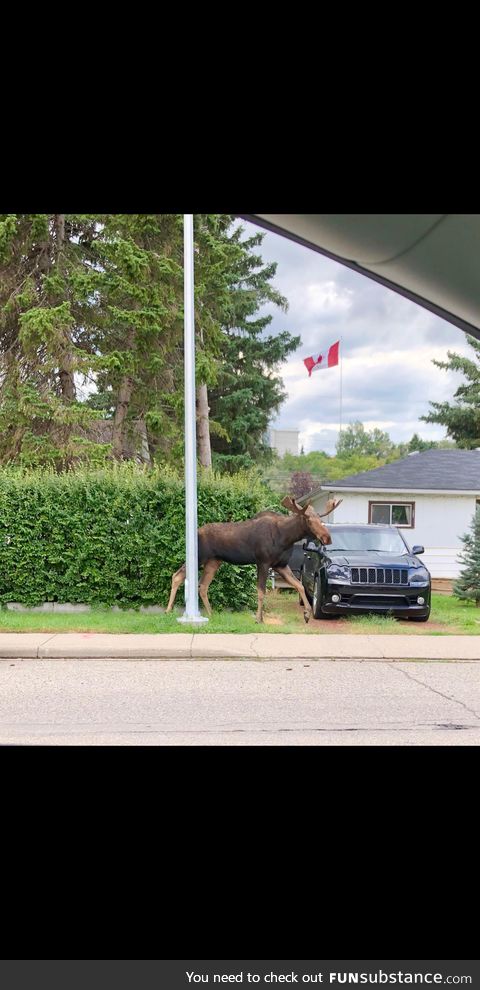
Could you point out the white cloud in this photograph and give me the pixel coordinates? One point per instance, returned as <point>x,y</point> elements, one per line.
<point>388,344</point>
<point>320,299</point>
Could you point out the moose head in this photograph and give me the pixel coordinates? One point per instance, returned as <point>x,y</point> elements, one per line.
<point>312,518</point>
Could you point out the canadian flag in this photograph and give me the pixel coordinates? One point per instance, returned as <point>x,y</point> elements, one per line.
<point>327,359</point>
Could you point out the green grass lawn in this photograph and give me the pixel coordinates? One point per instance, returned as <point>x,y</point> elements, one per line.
<point>282,615</point>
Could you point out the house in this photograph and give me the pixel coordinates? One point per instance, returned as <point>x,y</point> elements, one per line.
<point>431,496</point>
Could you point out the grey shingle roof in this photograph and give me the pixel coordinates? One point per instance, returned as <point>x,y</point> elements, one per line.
<point>431,469</point>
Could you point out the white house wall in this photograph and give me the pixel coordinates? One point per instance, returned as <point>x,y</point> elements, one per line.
<point>440,521</point>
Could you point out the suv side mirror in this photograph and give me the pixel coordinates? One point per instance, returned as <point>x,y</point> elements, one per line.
<point>417,550</point>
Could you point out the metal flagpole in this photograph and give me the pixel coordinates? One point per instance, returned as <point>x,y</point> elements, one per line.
<point>341,362</point>
<point>191,613</point>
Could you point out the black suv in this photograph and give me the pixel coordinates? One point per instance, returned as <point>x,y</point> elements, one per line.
<point>366,569</point>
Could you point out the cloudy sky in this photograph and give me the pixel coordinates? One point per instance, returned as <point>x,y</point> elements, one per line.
<point>387,345</point>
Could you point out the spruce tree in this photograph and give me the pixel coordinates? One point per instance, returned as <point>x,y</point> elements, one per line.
<point>467,586</point>
<point>462,418</point>
<point>248,390</point>
<point>46,282</point>
<point>137,329</point>
<point>97,300</point>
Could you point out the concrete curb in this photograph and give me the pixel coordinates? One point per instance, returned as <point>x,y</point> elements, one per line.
<point>216,646</point>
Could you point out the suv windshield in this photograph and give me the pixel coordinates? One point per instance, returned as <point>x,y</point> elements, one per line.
<point>363,538</point>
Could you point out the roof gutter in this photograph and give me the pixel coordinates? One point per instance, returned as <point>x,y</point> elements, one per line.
<point>393,491</point>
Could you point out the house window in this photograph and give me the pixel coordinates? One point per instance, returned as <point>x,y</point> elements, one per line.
<point>392,514</point>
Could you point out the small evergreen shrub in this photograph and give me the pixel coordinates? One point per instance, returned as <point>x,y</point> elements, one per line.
<point>467,586</point>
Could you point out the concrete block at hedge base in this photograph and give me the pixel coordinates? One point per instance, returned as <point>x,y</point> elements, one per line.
<point>70,608</point>
<point>48,607</point>
<point>18,607</point>
<point>146,609</point>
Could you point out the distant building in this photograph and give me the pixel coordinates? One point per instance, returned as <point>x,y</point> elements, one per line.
<point>284,441</point>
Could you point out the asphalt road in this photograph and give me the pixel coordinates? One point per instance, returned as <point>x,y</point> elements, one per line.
<point>239,702</point>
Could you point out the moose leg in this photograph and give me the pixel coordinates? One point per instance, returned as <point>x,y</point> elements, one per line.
<point>262,575</point>
<point>209,570</point>
<point>177,580</point>
<point>290,578</point>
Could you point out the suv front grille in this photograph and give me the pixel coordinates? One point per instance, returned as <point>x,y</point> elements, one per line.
<point>379,575</point>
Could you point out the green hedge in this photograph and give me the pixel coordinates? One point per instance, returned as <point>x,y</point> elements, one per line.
<point>114,537</point>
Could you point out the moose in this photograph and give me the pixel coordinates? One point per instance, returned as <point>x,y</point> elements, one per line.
<point>265,540</point>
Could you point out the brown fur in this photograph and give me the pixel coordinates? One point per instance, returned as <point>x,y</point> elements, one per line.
<point>266,540</point>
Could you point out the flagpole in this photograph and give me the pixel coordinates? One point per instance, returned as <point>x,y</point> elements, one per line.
<point>341,363</point>
<point>191,613</point>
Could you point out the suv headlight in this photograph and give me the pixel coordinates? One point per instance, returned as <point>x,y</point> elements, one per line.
<point>338,573</point>
<point>419,576</point>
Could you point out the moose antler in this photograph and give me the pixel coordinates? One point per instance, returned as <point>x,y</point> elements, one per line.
<point>291,504</point>
<point>330,506</point>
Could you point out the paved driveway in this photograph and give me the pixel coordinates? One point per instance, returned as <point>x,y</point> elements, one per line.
<point>239,702</point>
